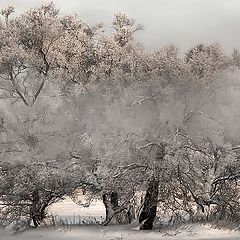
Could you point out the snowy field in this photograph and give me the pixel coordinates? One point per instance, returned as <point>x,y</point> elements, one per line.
<point>72,213</point>
<point>194,232</point>
<point>68,210</point>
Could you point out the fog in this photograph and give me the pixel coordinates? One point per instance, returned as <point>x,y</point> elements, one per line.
<point>184,23</point>
<point>141,139</point>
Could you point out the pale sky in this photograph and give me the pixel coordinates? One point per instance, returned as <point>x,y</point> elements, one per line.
<point>184,23</point>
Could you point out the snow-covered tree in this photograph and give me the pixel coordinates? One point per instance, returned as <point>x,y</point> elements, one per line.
<point>100,113</point>
<point>206,60</point>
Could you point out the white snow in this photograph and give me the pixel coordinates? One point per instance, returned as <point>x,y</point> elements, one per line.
<point>67,208</point>
<point>71,213</point>
<point>127,232</point>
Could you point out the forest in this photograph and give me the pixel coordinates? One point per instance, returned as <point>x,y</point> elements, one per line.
<point>84,109</point>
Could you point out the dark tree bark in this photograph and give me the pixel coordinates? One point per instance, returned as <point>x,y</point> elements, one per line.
<point>149,211</point>
<point>110,202</point>
<point>34,209</point>
<point>38,209</point>
<point>115,214</point>
<point>114,200</point>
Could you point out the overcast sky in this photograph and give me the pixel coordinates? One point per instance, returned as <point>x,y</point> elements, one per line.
<point>181,22</point>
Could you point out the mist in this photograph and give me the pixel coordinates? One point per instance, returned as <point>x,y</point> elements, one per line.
<point>184,23</point>
<point>94,122</point>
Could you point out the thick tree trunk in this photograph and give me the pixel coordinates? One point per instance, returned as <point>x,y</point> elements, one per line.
<point>34,209</point>
<point>149,211</point>
<point>39,214</point>
<point>114,200</point>
<point>38,209</point>
<point>110,202</point>
<point>115,214</point>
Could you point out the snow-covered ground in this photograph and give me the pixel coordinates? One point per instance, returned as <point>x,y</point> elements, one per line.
<point>191,232</point>
<point>67,209</point>
<point>72,213</point>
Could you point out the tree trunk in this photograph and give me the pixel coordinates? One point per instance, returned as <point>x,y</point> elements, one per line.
<point>114,200</point>
<point>34,209</point>
<point>110,203</point>
<point>115,214</point>
<point>38,208</point>
<point>149,211</point>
